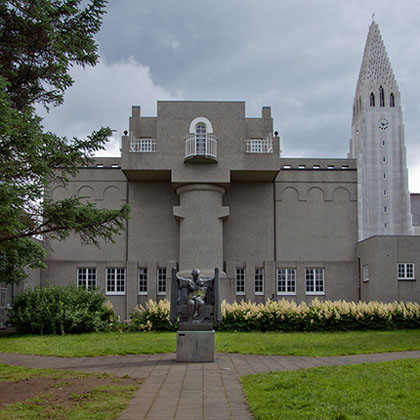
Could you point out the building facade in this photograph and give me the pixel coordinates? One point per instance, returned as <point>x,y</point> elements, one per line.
<point>208,187</point>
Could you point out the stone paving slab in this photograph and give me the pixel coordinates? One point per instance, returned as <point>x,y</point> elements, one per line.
<point>196,391</point>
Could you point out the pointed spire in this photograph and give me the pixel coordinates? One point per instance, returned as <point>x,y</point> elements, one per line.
<point>376,68</point>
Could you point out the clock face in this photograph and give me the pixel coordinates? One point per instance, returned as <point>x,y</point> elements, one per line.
<point>383,124</point>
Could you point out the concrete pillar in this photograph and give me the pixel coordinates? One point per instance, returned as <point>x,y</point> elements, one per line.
<point>201,214</point>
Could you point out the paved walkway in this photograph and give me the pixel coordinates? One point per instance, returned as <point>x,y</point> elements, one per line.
<point>196,391</point>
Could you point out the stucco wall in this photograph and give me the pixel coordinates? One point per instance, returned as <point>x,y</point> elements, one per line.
<point>382,254</point>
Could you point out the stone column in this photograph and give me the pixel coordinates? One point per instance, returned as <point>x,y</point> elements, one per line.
<point>201,214</point>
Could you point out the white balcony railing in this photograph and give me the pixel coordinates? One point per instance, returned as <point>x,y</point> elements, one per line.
<point>259,146</point>
<point>201,146</point>
<point>142,145</point>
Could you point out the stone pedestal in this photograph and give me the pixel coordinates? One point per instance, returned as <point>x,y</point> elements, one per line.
<point>195,346</point>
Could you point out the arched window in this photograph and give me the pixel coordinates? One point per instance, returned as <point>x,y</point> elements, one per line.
<point>381,96</point>
<point>372,99</point>
<point>200,138</point>
<point>391,100</point>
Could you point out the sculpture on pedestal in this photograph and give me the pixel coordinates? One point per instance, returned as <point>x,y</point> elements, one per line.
<point>195,302</point>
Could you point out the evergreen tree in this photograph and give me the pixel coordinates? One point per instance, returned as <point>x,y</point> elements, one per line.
<point>39,41</point>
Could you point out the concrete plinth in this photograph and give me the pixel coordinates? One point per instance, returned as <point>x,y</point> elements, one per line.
<point>195,346</point>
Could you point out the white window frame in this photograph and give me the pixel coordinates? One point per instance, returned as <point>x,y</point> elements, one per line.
<point>161,278</point>
<point>259,281</point>
<point>86,277</point>
<point>315,279</point>
<point>147,145</point>
<point>115,277</point>
<point>406,271</point>
<point>201,139</point>
<point>366,272</point>
<point>240,281</point>
<point>143,281</point>
<point>288,277</point>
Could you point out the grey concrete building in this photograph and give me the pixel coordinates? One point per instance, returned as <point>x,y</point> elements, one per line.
<point>208,187</point>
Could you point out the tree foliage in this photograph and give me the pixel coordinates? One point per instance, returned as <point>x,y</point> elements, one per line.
<point>39,42</point>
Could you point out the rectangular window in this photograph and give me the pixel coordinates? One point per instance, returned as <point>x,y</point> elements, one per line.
<point>286,281</point>
<point>161,281</point>
<point>142,280</point>
<point>259,281</point>
<point>86,277</point>
<point>115,281</point>
<point>315,281</point>
<point>406,271</point>
<point>366,272</point>
<point>240,281</point>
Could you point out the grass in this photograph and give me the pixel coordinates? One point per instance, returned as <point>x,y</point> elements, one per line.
<point>319,344</point>
<point>378,391</point>
<point>102,402</point>
<point>295,344</point>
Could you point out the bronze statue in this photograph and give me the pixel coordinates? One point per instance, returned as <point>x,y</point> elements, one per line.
<point>196,301</point>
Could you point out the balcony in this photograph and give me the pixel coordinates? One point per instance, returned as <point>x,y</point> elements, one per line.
<point>201,148</point>
<point>259,146</point>
<point>142,145</point>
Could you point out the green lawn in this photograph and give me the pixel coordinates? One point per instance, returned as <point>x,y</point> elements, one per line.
<point>378,391</point>
<point>299,344</point>
<point>66,395</point>
<point>319,344</point>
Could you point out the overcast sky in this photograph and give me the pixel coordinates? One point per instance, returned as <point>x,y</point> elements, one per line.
<point>301,57</point>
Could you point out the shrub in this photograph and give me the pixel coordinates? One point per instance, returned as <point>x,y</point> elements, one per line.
<point>62,310</point>
<point>154,316</point>
<point>284,315</point>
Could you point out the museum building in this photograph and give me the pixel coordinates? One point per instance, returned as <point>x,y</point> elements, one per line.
<point>208,187</point>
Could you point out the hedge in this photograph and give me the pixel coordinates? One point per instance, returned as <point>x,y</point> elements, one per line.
<point>62,310</point>
<point>284,315</point>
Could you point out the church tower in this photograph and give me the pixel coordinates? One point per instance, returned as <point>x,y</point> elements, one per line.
<point>378,145</point>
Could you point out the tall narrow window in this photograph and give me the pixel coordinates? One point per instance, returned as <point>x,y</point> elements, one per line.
<point>286,281</point>
<point>240,281</point>
<point>366,272</point>
<point>372,99</point>
<point>259,281</point>
<point>143,281</point>
<point>391,100</point>
<point>115,281</point>
<point>161,281</point>
<point>381,96</point>
<point>200,138</point>
<point>314,281</point>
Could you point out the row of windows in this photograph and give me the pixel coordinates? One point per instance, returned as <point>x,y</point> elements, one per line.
<point>382,98</point>
<point>116,280</point>
<point>405,271</point>
<point>286,281</point>
<point>285,284</point>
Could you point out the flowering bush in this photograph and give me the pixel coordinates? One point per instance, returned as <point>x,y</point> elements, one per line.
<point>284,315</point>
<point>154,316</point>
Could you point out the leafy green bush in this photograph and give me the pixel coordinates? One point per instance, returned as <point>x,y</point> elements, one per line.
<point>284,315</point>
<point>62,310</point>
